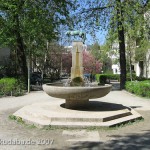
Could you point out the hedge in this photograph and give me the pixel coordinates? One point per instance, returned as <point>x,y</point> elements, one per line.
<point>117,77</point>
<point>102,79</point>
<point>105,77</point>
<point>141,88</point>
<point>11,86</point>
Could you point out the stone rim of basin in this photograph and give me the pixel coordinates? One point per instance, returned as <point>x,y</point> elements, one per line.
<point>76,96</point>
<point>60,85</point>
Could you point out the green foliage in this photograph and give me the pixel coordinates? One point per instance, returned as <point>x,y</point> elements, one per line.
<point>95,50</point>
<point>37,20</point>
<point>107,77</point>
<point>113,76</point>
<point>141,50</point>
<point>117,77</point>
<point>11,86</point>
<point>12,117</point>
<point>26,27</point>
<point>97,77</point>
<point>7,85</point>
<point>141,88</point>
<point>133,77</point>
<point>101,54</point>
<point>102,79</point>
<point>142,78</point>
<point>20,120</point>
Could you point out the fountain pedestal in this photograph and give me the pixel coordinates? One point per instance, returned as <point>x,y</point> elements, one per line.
<point>75,104</point>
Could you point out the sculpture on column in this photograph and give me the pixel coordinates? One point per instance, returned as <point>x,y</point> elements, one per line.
<point>81,34</point>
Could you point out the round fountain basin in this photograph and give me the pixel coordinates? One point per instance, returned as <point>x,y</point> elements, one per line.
<point>76,93</point>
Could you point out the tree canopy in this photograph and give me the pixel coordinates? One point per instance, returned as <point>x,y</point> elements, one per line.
<point>26,26</point>
<point>115,15</point>
<point>24,23</point>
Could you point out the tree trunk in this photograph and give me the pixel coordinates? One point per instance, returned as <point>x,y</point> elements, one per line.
<point>21,56</point>
<point>141,65</point>
<point>20,49</point>
<point>121,45</point>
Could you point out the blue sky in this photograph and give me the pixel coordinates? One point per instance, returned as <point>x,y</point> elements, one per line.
<point>100,37</point>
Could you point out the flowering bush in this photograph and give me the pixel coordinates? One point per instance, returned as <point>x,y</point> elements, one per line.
<point>90,64</point>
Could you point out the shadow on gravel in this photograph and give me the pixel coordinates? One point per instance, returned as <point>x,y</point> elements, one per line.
<point>135,107</point>
<point>139,141</point>
<point>100,106</point>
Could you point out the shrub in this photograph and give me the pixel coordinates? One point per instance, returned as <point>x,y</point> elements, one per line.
<point>113,76</point>
<point>141,88</point>
<point>11,86</point>
<point>7,85</point>
<point>107,76</point>
<point>97,77</point>
<point>133,76</point>
<point>102,79</point>
<point>142,78</point>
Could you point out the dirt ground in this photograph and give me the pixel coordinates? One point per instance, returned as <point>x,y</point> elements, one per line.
<point>131,136</point>
<point>17,136</point>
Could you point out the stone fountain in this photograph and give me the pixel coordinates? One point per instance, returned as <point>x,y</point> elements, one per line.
<point>77,91</point>
<point>77,111</point>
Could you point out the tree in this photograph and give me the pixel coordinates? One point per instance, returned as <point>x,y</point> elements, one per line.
<point>96,50</point>
<point>116,14</point>
<point>24,21</point>
<point>49,62</point>
<point>90,63</point>
<point>135,30</point>
<point>121,40</point>
<point>101,53</point>
<point>67,62</point>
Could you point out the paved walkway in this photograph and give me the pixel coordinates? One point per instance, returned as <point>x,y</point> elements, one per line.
<point>134,136</point>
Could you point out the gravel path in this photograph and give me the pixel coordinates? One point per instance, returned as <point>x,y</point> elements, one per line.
<point>133,136</point>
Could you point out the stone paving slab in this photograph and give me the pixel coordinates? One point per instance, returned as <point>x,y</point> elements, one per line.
<point>81,136</point>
